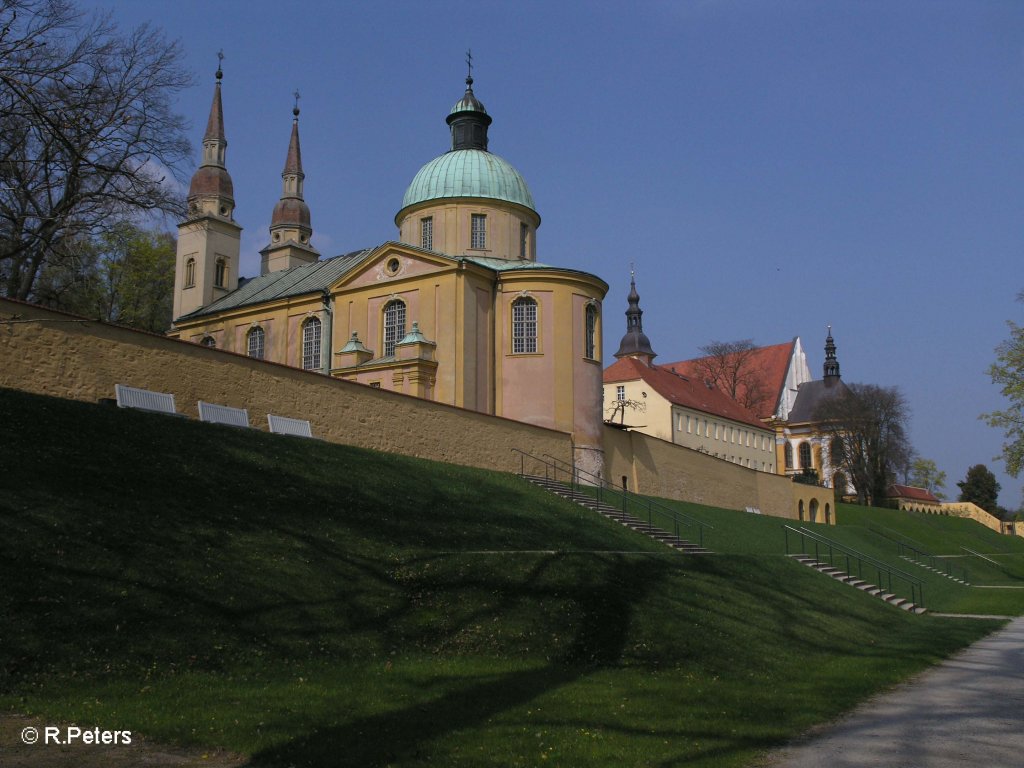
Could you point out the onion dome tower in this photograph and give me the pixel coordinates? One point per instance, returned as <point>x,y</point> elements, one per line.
<point>635,343</point>
<point>209,238</point>
<point>470,201</point>
<point>290,228</point>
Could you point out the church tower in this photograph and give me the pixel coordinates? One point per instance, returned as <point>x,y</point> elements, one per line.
<point>290,228</point>
<point>209,239</point>
<point>635,343</point>
<point>831,367</point>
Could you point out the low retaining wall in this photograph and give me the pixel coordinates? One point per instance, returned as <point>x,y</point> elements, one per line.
<point>52,353</point>
<point>660,468</point>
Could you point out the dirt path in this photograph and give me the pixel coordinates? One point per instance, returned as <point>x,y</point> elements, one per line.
<point>967,711</point>
<point>15,753</point>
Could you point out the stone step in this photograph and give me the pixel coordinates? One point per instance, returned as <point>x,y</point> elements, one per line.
<point>899,602</point>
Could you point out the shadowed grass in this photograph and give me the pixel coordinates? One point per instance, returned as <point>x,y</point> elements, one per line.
<point>313,604</point>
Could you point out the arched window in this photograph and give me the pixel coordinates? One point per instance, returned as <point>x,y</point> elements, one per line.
<point>190,273</point>
<point>394,325</point>
<point>789,457</point>
<point>311,344</point>
<point>220,273</point>
<point>208,341</point>
<point>836,451</point>
<point>256,339</point>
<point>590,332</point>
<point>805,456</point>
<point>524,326</point>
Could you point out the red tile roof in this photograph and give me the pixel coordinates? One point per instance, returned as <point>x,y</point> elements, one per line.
<point>913,493</point>
<point>771,362</point>
<point>680,390</point>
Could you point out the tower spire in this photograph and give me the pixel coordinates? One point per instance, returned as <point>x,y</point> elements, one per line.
<point>831,367</point>
<point>290,226</point>
<point>635,343</point>
<point>208,251</point>
<point>211,190</point>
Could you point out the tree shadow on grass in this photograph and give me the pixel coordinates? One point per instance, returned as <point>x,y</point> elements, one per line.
<point>606,610</point>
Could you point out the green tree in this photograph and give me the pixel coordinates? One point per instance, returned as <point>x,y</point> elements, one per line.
<point>925,474</point>
<point>88,133</point>
<point>980,487</point>
<point>125,275</point>
<point>866,424</point>
<point>1008,373</point>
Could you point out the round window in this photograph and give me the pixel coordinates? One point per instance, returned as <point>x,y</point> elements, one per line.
<point>393,266</point>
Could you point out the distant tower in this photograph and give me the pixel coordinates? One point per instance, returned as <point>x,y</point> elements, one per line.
<point>831,367</point>
<point>290,228</point>
<point>635,343</point>
<point>209,240</point>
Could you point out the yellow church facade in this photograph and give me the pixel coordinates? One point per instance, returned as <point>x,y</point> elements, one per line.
<point>457,310</point>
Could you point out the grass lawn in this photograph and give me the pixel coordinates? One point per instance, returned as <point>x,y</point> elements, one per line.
<point>317,605</point>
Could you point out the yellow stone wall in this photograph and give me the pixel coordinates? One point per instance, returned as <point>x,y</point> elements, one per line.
<point>972,511</point>
<point>55,354</point>
<point>660,468</point>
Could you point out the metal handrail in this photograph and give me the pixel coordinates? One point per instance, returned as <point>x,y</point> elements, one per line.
<point>940,564</point>
<point>861,559</point>
<point>603,490</point>
<point>920,556</point>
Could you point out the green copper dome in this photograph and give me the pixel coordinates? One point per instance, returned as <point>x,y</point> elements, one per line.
<point>468,173</point>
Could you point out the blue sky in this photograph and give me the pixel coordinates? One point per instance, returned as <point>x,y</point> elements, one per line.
<point>769,168</point>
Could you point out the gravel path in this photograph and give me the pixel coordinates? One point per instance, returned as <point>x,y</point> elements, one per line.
<point>967,711</point>
<point>15,753</point>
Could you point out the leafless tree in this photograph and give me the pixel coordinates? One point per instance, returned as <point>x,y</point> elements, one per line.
<point>88,135</point>
<point>866,424</point>
<point>619,408</point>
<point>731,366</point>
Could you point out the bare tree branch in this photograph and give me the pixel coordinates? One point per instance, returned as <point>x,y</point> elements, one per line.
<point>88,135</point>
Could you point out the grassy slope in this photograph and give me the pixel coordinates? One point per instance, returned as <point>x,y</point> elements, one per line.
<point>315,604</point>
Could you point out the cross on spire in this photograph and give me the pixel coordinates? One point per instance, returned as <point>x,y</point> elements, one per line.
<point>295,109</point>
<point>220,58</point>
<point>469,66</point>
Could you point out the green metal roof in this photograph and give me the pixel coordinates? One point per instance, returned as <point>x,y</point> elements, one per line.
<point>468,173</point>
<point>283,283</point>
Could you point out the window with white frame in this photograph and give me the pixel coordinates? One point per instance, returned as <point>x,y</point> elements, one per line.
<point>311,333</point>
<point>427,233</point>
<point>394,325</point>
<point>478,231</point>
<point>524,326</point>
<point>220,273</point>
<point>620,392</point>
<point>190,273</point>
<point>256,339</point>
<point>590,332</point>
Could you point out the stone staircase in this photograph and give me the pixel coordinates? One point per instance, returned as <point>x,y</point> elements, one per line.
<point>935,570</point>
<point>853,581</point>
<point>612,513</point>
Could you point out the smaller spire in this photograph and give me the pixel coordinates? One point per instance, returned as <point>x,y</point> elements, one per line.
<point>293,162</point>
<point>635,343</point>
<point>215,125</point>
<point>831,367</point>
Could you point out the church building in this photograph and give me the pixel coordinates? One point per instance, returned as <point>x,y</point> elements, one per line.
<point>456,309</point>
